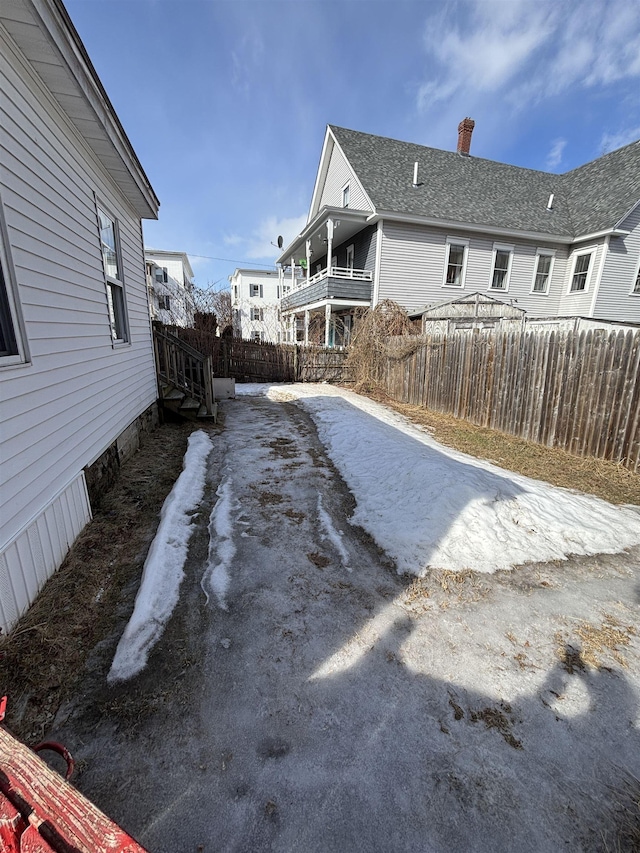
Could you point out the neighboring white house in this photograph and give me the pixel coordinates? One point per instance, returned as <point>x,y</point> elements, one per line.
<point>77,373</point>
<point>255,303</point>
<point>170,287</point>
<point>422,226</point>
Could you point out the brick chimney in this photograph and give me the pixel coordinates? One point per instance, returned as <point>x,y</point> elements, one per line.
<point>465,129</point>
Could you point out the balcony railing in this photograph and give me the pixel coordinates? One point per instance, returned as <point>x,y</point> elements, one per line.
<point>331,272</point>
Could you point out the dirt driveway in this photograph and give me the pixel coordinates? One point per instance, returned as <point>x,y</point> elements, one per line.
<point>319,702</point>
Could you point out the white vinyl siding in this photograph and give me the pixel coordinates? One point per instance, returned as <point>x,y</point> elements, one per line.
<point>616,300</point>
<point>34,554</point>
<point>78,393</point>
<point>577,303</point>
<point>339,174</point>
<point>413,259</point>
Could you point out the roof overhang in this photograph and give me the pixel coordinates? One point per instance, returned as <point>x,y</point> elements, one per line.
<point>46,37</point>
<point>165,253</point>
<point>350,223</point>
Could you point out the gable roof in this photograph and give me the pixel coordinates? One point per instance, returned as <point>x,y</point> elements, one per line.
<point>474,191</point>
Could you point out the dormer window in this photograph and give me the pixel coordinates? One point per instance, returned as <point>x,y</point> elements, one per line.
<point>345,195</point>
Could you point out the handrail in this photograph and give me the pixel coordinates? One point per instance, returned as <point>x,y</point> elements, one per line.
<point>179,364</point>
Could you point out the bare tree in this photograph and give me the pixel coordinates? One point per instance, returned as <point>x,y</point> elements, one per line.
<point>217,302</point>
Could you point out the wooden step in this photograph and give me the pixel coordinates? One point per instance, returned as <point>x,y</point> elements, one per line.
<point>203,415</point>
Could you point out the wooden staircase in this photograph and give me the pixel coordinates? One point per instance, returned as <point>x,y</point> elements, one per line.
<point>185,377</point>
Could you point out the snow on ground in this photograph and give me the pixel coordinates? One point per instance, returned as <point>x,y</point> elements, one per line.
<point>221,548</point>
<point>333,534</point>
<point>429,506</point>
<point>163,568</point>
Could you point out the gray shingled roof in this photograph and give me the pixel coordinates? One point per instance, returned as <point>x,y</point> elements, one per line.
<point>474,191</point>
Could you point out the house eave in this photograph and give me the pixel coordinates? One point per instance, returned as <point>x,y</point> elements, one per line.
<point>325,213</point>
<point>468,227</point>
<point>57,56</point>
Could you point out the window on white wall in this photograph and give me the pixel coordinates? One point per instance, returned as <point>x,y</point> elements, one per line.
<point>502,256</point>
<point>455,262</point>
<point>257,314</point>
<point>110,245</point>
<point>255,290</point>
<point>257,337</point>
<point>8,337</point>
<point>636,286</point>
<point>581,270</point>
<point>542,273</point>
<point>350,256</point>
<point>346,192</point>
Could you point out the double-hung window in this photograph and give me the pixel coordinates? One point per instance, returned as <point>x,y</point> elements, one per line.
<point>455,262</point>
<point>581,269</point>
<point>350,256</point>
<point>257,314</point>
<point>111,259</point>
<point>346,192</point>
<point>255,290</point>
<point>542,272</point>
<point>502,257</point>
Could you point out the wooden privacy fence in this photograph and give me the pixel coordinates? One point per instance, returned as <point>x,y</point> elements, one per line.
<point>253,361</point>
<point>576,391</point>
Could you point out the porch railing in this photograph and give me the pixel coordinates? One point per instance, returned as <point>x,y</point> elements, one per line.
<point>333,272</point>
<point>179,364</point>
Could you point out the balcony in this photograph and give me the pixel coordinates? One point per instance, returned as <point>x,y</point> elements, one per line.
<point>330,283</point>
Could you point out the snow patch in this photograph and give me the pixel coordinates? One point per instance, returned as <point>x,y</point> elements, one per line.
<point>429,506</point>
<point>163,568</point>
<point>333,534</point>
<point>216,577</point>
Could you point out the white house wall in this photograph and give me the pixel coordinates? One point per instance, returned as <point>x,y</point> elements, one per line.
<point>338,174</point>
<point>413,259</point>
<point>78,393</point>
<point>615,300</point>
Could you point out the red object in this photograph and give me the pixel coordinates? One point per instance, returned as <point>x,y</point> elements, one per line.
<point>3,707</point>
<point>42,813</point>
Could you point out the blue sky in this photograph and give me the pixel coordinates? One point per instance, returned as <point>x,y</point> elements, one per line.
<point>226,101</point>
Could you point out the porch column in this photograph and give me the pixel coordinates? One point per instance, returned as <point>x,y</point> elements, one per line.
<point>309,259</point>
<point>306,328</point>
<point>327,323</point>
<point>293,274</point>
<point>329,244</point>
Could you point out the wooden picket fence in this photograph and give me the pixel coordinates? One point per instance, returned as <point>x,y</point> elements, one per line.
<point>576,391</point>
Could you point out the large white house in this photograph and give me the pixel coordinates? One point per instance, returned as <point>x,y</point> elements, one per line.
<point>77,374</point>
<point>170,287</point>
<point>255,303</point>
<point>421,226</point>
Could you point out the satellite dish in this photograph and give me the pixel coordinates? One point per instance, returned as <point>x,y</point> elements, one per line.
<point>280,242</point>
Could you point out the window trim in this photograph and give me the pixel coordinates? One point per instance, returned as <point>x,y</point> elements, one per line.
<point>10,296</point>
<point>346,188</point>
<point>544,252</point>
<point>259,294</point>
<point>591,251</point>
<point>350,251</point>
<point>455,241</point>
<point>111,282</point>
<point>635,281</point>
<point>501,247</point>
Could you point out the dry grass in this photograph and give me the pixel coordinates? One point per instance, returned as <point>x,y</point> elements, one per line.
<point>598,642</point>
<point>43,657</point>
<point>599,477</point>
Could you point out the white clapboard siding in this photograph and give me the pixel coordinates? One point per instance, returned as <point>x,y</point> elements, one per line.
<point>412,269</point>
<point>615,298</point>
<point>79,392</point>
<point>579,304</point>
<point>339,173</point>
<point>34,554</point>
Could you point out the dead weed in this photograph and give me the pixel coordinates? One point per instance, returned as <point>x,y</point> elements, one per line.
<point>597,643</point>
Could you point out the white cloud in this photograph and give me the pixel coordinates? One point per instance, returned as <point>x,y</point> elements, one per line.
<point>528,51</point>
<point>259,244</point>
<point>611,141</point>
<point>554,157</point>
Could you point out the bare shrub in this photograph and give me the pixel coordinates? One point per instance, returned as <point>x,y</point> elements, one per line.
<point>371,341</point>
